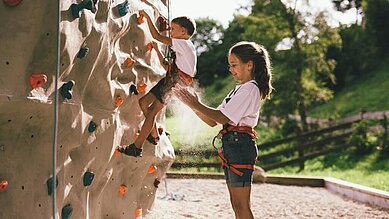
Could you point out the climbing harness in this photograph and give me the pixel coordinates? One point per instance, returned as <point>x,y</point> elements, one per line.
<point>224,162</point>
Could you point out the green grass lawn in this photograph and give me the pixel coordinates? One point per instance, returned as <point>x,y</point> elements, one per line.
<point>368,170</point>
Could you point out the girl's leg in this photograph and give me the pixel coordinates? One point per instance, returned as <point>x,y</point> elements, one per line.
<point>149,122</point>
<point>240,201</point>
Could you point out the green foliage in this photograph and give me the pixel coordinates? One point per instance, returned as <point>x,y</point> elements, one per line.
<point>368,92</point>
<point>362,138</point>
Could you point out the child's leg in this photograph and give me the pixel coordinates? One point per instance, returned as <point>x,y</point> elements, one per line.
<point>144,104</point>
<point>149,123</point>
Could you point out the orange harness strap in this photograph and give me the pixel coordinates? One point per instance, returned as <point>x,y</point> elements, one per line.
<point>234,167</point>
<point>239,129</point>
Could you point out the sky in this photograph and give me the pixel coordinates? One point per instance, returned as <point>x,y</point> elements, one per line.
<point>223,10</point>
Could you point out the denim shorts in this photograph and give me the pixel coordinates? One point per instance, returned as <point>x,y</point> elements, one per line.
<point>239,148</point>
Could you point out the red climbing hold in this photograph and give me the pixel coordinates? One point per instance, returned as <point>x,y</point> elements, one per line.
<point>3,185</point>
<point>118,101</point>
<point>12,3</point>
<point>140,19</point>
<point>129,62</point>
<point>142,87</point>
<point>152,169</point>
<point>37,80</point>
<point>122,190</point>
<point>138,213</point>
<point>150,46</point>
<point>162,24</point>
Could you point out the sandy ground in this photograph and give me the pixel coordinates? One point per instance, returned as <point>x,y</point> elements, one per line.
<point>208,198</point>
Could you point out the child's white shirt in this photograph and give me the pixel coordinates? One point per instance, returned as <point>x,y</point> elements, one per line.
<point>186,58</point>
<point>242,105</point>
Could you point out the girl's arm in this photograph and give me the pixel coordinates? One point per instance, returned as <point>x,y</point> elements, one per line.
<point>208,114</point>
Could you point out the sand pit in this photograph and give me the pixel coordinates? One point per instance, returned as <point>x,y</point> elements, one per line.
<point>208,198</point>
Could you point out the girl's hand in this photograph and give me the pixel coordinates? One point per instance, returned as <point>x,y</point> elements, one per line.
<point>186,96</point>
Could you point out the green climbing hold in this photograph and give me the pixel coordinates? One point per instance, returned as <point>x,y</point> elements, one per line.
<point>88,178</point>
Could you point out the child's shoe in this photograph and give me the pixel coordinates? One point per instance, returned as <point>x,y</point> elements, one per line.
<point>152,140</point>
<point>131,150</point>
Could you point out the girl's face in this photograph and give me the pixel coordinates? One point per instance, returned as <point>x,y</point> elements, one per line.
<point>240,71</point>
<point>177,31</point>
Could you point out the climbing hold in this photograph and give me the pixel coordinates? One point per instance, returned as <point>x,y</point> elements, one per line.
<point>160,130</point>
<point>129,62</point>
<point>85,4</point>
<point>92,126</point>
<point>3,185</point>
<point>138,213</point>
<point>118,101</point>
<point>122,190</point>
<point>37,80</point>
<point>162,24</point>
<point>83,52</point>
<point>142,87</point>
<point>140,19</point>
<point>133,89</point>
<point>88,178</point>
<point>123,8</point>
<point>49,183</point>
<point>67,211</point>
<point>117,152</point>
<point>12,3</point>
<point>150,46</point>
<point>156,183</point>
<point>66,89</point>
<point>152,169</point>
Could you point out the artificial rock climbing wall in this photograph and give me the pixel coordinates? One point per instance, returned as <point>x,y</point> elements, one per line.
<point>105,66</point>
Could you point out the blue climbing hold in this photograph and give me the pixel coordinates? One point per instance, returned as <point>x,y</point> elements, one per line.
<point>92,126</point>
<point>86,4</point>
<point>133,89</point>
<point>83,52</point>
<point>88,178</point>
<point>49,183</point>
<point>123,8</point>
<point>66,89</point>
<point>67,211</point>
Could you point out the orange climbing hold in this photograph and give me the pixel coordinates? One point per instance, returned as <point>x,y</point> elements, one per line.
<point>142,87</point>
<point>117,152</point>
<point>3,185</point>
<point>162,24</point>
<point>129,61</point>
<point>152,169</point>
<point>118,101</point>
<point>140,19</point>
<point>150,46</point>
<point>122,190</point>
<point>138,212</point>
<point>12,3</point>
<point>37,80</point>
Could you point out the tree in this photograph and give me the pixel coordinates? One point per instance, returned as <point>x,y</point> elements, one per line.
<point>302,66</point>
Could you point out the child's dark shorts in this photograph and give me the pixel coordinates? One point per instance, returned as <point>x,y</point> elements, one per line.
<point>239,148</point>
<point>163,89</point>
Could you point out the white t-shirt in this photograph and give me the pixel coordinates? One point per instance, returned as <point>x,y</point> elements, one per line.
<point>242,105</point>
<point>186,58</point>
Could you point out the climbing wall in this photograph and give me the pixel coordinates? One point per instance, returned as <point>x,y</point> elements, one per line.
<point>105,66</point>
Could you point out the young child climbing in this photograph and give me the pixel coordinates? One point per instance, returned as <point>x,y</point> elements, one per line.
<point>181,69</point>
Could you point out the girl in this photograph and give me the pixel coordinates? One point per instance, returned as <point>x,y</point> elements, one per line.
<point>249,65</point>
